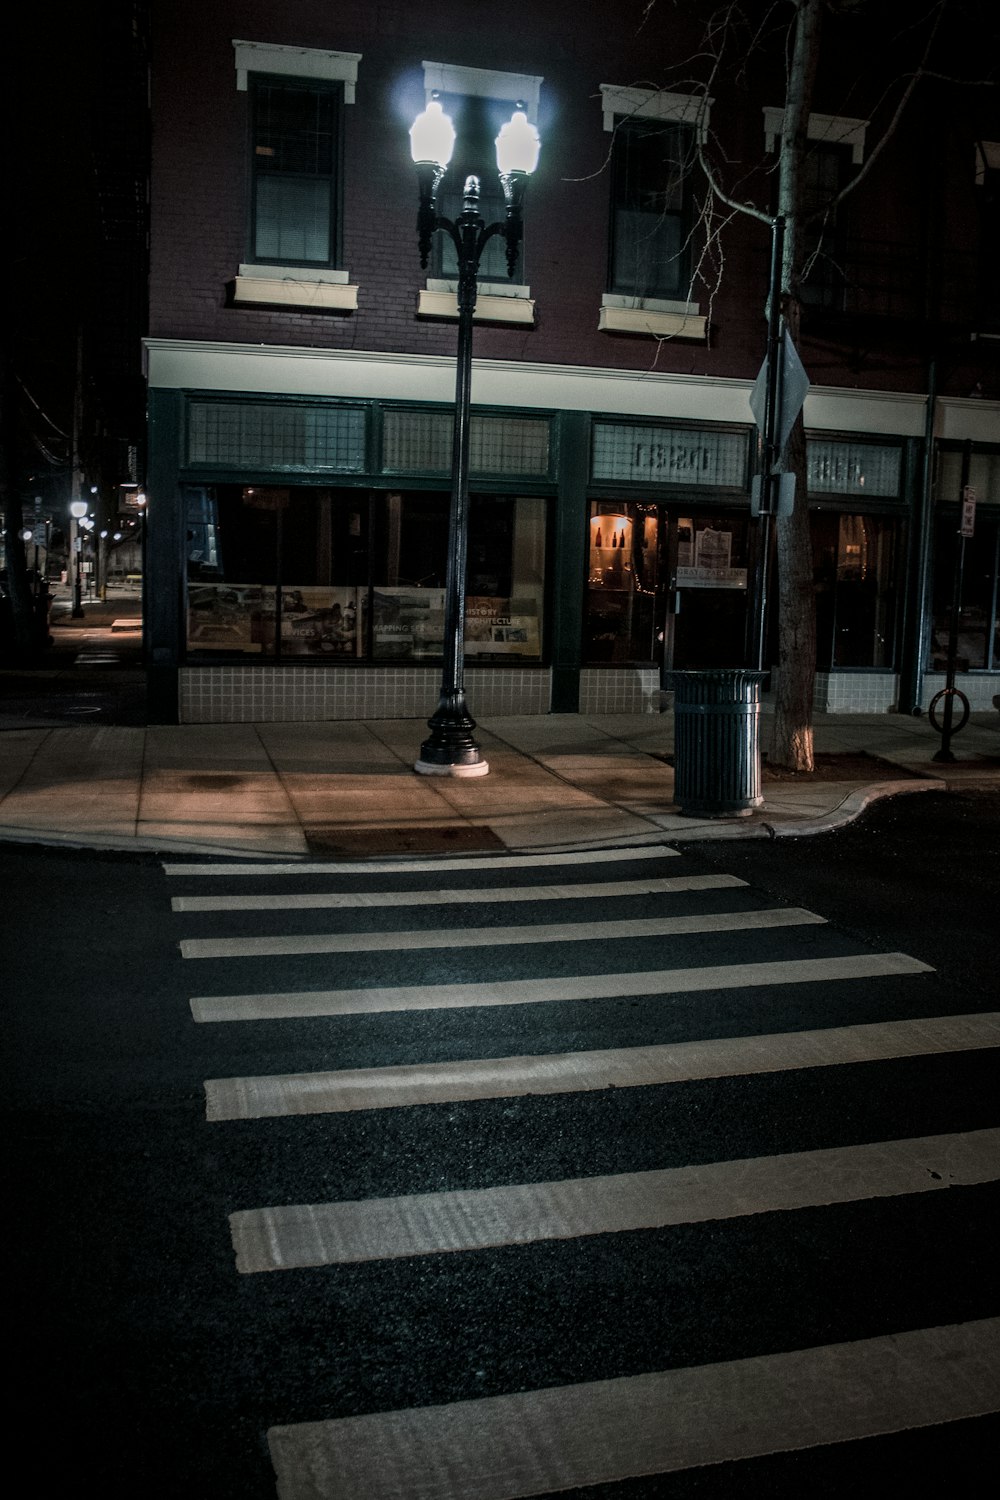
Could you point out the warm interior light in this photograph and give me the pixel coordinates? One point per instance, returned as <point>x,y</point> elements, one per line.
<point>432,135</point>
<point>518,144</point>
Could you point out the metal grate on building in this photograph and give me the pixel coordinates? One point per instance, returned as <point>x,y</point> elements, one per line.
<point>276,436</point>
<point>420,442</point>
<point>853,468</point>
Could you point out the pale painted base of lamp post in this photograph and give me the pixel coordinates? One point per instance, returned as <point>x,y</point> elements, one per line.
<point>429,768</point>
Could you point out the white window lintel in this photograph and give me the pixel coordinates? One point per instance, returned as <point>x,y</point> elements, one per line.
<point>296,62</point>
<point>483,83</point>
<point>619,102</point>
<point>490,308</point>
<point>314,294</point>
<point>833,130</point>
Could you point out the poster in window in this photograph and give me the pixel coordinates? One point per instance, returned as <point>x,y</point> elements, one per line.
<point>315,622</point>
<point>225,616</point>
<point>408,623</point>
<point>501,627</point>
<point>712,562</point>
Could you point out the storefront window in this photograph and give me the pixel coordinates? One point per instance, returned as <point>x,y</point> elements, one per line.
<point>505,577</point>
<point>665,584</point>
<point>979,616</point>
<point>349,575</point>
<point>623,570</point>
<point>854,569</point>
<point>287,574</point>
<point>973,473</point>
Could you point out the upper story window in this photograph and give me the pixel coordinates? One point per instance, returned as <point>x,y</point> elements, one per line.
<point>836,146</point>
<point>294,128</point>
<point>297,95</point>
<point>479,101</point>
<point>477,122</point>
<point>655,137</point>
<point>988,195</point>
<point>826,170</point>
<point>651,209</point>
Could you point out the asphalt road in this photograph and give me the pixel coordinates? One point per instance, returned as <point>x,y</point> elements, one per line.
<point>147,1364</point>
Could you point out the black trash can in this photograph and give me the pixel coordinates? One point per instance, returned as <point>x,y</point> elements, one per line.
<point>717,742</point>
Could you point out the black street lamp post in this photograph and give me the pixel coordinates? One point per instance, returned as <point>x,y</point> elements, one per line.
<point>451,749</point>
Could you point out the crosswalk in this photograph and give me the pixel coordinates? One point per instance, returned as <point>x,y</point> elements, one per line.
<point>541,1062</point>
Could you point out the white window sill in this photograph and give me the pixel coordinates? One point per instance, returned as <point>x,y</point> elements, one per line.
<point>501,304</point>
<point>267,286</point>
<point>650,317</point>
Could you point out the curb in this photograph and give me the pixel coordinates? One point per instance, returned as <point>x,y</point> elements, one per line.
<point>847,810</point>
<point>854,805</point>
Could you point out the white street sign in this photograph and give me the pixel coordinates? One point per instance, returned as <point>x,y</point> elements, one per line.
<point>794,389</point>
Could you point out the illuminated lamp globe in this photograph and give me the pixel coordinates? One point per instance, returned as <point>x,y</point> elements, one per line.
<point>518,145</point>
<point>432,136</point>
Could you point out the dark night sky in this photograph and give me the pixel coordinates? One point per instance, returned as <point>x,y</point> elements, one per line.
<point>66,97</point>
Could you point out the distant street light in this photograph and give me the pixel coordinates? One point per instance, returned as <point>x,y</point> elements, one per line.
<point>451,749</point>
<point>77,511</point>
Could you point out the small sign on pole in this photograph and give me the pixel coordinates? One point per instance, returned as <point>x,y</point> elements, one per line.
<point>968,526</point>
<point>793,388</point>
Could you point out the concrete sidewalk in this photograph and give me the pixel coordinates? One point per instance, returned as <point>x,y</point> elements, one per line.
<point>348,788</point>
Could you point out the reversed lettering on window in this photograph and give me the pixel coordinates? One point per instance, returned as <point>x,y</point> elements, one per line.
<point>681,456</point>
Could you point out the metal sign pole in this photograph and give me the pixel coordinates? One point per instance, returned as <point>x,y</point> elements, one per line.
<point>769,450</point>
<point>966,524</point>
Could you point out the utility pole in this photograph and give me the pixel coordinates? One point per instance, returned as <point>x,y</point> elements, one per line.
<point>76,486</point>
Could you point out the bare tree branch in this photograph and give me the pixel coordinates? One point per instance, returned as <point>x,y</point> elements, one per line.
<point>873,155</point>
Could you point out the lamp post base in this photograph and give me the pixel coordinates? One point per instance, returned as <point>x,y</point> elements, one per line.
<point>432,768</point>
<point>450,749</point>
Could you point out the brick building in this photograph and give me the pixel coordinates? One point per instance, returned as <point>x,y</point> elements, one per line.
<point>301,367</point>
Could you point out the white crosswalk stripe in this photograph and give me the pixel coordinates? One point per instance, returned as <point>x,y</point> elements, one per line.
<point>489,937</point>
<point>534,1442</point>
<point>328,869</point>
<point>324,1234</point>
<point>348,1089</point>
<point>302,1003</point>
<point>502,896</point>
<point>539,1442</point>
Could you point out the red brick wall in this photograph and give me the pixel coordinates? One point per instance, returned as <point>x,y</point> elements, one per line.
<point>199,182</point>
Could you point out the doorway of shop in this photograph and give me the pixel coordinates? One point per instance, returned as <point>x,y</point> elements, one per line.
<point>666,585</point>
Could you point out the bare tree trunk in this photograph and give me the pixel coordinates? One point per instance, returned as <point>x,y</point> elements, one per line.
<point>791,733</point>
<point>792,736</point>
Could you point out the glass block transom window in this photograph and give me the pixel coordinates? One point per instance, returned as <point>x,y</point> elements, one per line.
<point>852,468</point>
<point>419,442</point>
<point>266,435</point>
<point>682,456</point>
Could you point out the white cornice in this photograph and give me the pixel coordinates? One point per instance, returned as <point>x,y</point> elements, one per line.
<point>833,130</point>
<point>623,103</point>
<point>183,364</point>
<point>484,83</point>
<point>296,62</point>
